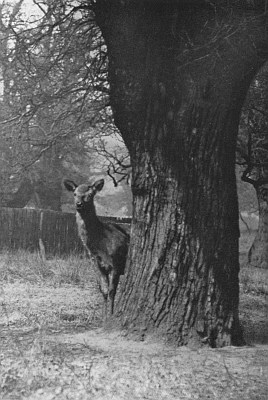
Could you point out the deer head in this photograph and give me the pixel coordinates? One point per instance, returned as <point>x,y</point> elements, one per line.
<point>84,194</point>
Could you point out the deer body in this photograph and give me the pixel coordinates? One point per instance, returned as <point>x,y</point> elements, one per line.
<point>107,243</point>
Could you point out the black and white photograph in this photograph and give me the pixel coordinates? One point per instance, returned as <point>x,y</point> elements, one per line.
<point>133,199</point>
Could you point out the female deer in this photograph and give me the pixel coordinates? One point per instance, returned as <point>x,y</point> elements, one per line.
<point>107,243</point>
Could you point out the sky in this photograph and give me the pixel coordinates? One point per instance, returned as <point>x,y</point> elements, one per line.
<point>29,9</point>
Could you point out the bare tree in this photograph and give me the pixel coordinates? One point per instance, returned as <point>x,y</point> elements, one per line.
<point>55,94</point>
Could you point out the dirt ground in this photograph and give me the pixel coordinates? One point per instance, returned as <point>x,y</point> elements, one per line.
<point>52,346</point>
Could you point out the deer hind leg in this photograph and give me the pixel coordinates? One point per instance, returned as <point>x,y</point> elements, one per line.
<point>114,279</point>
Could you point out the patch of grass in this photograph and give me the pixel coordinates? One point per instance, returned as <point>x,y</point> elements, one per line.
<point>254,280</point>
<point>29,267</point>
<point>40,374</point>
<point>50,295</point>
<point>72,270</point>
<point>21,266</point>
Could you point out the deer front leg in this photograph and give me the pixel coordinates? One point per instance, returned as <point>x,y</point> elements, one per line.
<point>114,279</point>
<point>104,288</point>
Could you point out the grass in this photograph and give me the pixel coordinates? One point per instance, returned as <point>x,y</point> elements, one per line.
<point>42,301</point>
<point>30,267</point>
<point>59,294</point>
<point>38,299</point>
<point>254,280</point>
<point>22,266</point>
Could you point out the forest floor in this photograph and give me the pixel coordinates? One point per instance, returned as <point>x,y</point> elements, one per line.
<point>52,345</point>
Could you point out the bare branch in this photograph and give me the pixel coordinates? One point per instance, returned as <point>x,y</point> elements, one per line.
<point>245,178</point>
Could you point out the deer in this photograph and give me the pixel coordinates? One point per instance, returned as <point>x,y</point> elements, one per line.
<point>107,243</point>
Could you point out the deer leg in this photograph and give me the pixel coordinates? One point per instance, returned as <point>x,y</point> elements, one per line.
<point>104,287</point>
<point>114,279</point>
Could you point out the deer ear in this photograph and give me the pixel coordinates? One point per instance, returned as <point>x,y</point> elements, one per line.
<point>70,185</point>
<point>98,185</point>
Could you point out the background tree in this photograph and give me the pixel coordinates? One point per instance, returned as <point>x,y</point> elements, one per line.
<point>253,155</point>
<point>55,96</point>
<point>179,73</point>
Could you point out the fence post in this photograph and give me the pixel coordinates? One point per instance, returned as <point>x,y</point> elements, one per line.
<point>42,250</point>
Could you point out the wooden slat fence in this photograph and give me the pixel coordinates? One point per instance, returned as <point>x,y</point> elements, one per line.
<point>23,228</point>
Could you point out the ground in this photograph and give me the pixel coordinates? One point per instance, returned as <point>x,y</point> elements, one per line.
<point>52,345</point>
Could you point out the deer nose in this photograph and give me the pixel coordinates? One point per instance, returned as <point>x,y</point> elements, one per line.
<point>79,204</point>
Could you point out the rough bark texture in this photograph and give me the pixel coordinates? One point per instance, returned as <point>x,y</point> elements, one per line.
<point>178,77</point>
<point>258,253</point>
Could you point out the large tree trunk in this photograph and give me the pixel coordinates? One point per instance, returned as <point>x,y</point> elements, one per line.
<point>258,253</point>
<point>178,79</point>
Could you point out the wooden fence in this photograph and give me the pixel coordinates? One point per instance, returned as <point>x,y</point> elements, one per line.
<point>24,228</point>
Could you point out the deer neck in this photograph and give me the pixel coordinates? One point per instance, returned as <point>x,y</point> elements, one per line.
<point>88,218</point>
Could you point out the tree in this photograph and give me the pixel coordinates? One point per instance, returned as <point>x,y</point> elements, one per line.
<point>8,194</point>
<point>253,154</point>
<point>53,94</point>
<point>179,72</point>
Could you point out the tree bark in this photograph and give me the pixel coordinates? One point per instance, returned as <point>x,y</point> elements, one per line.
<point>258,253</point>
<point>178,77</point>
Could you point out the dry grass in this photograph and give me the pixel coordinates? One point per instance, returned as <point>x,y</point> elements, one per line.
<point>254,280</point>
<point>38,299</point>
<point>51,346</point>
<point>30,267</point>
